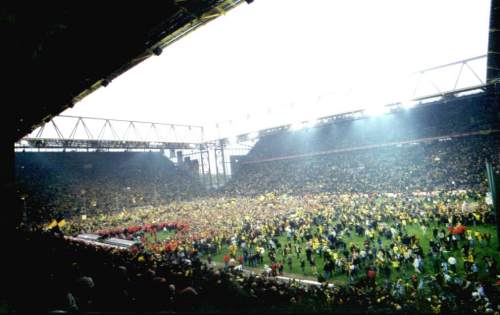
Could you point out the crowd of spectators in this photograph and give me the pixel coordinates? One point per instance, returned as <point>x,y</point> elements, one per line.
<point>442,119</point>
<point>318,228</point>
<point>63,184</point>
<point>305,210</point>
<point>85,278</point>
<point>457,163</point>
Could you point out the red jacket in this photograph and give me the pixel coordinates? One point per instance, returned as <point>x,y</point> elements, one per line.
<point>372,274</point>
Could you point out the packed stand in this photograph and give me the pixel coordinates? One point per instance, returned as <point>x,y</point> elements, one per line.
<point>457,163</point>
<point>74,183</point>
<point>400,228</point>
<point>397,252</point>
<point>436,120</point>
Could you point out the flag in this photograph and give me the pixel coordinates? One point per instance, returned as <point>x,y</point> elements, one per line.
<point>52,224</point>
<point>491,183</point>
<point>494,187</point>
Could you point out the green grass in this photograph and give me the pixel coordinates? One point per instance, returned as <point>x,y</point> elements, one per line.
<point>162,235</point>
<point>406,271</point>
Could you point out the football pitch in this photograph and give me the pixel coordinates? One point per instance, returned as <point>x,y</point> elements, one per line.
<point>340,277</point>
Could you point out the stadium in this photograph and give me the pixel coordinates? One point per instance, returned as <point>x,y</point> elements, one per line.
<point>305,208</point>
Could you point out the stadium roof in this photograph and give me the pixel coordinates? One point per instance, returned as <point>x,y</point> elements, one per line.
<point>59,52</point>
<point>274,63</point>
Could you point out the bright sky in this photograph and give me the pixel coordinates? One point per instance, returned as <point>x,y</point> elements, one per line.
<point>282,61</point>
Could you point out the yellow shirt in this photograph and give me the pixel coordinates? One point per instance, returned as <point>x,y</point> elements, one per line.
<point>436,309</point>
<point>470,258</point>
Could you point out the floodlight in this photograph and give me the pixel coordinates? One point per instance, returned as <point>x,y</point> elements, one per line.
<point>296,126</point>
<point>376,110</point>
<point>431,99</point>
<point>357,115</point>
<point>470,92</point>
<point>408,104</point>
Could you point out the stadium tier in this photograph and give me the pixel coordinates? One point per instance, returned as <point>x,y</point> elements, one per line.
<point>259,169</point>
<point>389,214</point>
<point>440,119</point>
<point>80,183</point>
<point>446,164</point>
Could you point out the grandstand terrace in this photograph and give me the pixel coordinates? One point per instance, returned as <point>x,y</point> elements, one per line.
<point>392,208</point>
<point>400,195</point>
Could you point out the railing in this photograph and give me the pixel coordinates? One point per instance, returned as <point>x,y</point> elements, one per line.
<point>450,79</point>
<point>88,132</point>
